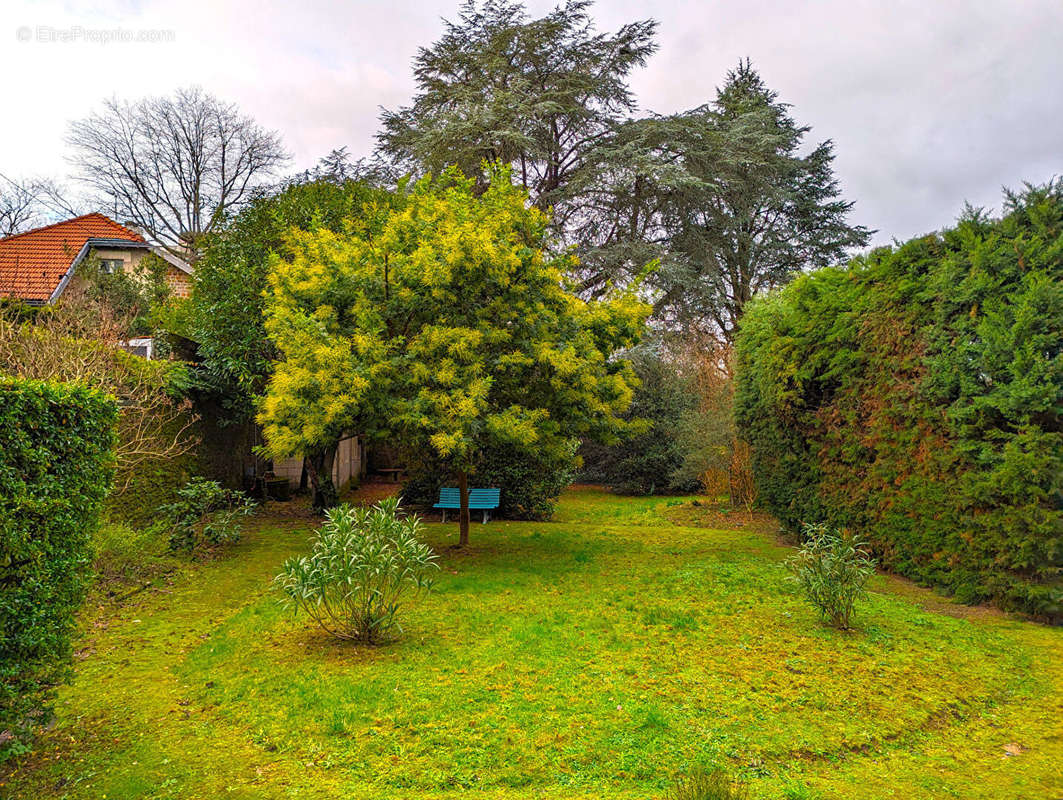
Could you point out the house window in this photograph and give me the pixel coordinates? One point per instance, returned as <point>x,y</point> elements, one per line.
<point>109,266</point>
<point>145,348</point>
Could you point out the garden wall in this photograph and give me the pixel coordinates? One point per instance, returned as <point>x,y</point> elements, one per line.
<point>916,396</point>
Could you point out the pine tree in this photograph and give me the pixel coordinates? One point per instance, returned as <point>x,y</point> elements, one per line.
<point>732,204</point>
<point>536,94</point>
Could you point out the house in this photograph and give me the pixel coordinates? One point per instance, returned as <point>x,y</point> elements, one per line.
<point>38,265</point>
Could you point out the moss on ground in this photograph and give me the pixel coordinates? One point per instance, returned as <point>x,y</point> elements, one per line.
<point>594,656</point>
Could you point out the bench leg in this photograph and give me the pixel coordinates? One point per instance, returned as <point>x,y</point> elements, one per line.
<point>485,516</point>
<point>444,515</point>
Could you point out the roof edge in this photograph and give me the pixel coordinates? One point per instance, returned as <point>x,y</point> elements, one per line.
<point>171,259</point>
<point>73,219</point>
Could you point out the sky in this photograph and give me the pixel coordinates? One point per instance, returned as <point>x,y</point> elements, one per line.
<point>929,104</point>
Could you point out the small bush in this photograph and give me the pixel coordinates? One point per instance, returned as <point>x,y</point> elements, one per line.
<point>832,570</point>
<point>364,564</point>
<point>205,514</point>
<point>530,482</point>
<point>56,464</point>
<point>127,552</point>
<point>702,784</point>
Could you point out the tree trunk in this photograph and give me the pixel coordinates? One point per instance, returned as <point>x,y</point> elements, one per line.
<point>304,476</point>
<point>319,469</point>
<point>463,514</point>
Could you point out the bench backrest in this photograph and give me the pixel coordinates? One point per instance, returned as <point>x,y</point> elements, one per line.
<point>477,497</point>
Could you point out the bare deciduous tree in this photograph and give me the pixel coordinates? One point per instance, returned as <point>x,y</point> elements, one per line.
<point>30,203</point>
<point>714,452</point>
<point>19,208</point>
<point>173,165</point>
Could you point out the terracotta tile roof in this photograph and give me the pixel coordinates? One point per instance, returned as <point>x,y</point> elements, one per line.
<point>33,263</point>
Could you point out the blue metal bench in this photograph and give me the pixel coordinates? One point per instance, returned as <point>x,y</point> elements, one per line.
<point>484,499</point>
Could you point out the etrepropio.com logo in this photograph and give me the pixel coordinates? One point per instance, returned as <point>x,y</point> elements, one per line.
<point>48,34</point>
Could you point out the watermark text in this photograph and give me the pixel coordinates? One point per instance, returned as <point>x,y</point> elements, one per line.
<point>48,34</point>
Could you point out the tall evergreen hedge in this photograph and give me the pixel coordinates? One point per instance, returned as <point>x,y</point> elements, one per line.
<point>917,396</point>
<point>56,444</point>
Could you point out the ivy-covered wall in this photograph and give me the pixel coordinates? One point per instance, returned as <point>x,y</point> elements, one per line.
<point>917,396</point>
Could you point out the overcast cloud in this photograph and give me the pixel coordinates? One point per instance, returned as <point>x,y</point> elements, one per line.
<point>929,103</point>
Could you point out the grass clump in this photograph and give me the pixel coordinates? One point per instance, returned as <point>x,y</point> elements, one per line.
<point>706,784</point>
<point>126,552</point>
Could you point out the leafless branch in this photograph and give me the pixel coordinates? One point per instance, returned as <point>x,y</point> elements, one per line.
<point>79,341</point>
<point>29,203</point>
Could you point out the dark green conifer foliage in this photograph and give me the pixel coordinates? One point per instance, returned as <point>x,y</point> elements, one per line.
<point>916,397</point>
<point>728,199</point>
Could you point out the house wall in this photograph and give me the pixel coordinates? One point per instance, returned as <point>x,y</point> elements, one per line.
<point>180,283</point>
<point>350,463</point>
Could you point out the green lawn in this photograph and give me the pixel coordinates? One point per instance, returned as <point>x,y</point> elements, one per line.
<point>594,656</point>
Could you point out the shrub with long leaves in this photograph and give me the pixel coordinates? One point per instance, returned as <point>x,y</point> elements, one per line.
<point>364,564</point>
<point>832,569</point>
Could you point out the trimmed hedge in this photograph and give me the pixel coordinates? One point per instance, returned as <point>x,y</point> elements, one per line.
<point>916,396</point>
<point>56,465</point>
